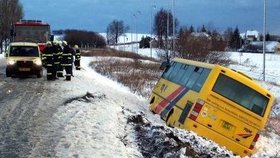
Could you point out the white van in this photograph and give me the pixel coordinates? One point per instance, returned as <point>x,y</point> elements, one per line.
<point>23,58</point>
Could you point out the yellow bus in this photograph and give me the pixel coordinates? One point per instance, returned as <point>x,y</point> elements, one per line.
<point>215,102</point>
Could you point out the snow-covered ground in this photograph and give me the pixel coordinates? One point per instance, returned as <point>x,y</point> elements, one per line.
<point>104,119</point>
<point>87,135</point>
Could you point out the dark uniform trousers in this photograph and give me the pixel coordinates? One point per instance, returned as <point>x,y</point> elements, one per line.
<point>56,64</point>
<point>60,67</point>
<point>67,64</point>
<point>49,66</point>
<point>48,59</point>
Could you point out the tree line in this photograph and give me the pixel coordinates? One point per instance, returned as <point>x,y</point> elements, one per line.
<point>84,39</point>
<point>201,43</point>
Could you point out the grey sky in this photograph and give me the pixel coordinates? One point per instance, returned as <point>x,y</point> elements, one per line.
<point>95,15</point>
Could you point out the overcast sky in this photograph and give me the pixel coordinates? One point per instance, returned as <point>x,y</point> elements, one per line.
<point>95,15</point>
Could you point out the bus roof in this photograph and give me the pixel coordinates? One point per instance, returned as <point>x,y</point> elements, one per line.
<point>192,62</point>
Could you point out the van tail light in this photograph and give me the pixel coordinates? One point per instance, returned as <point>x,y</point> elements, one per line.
<point>197,108</point>
<point>254,141</point>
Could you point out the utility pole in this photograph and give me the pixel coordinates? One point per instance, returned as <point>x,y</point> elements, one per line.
<point>151,31</point>
<point>173,30</point>
<point>136,36</point>
<point>167,33</point>
<point>264,42</point>
<point>133,42</point>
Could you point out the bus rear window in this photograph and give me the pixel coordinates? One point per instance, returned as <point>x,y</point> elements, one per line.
<point>241,94</point>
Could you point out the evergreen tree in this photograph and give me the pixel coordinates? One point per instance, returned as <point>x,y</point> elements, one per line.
<point>181,32</point>
<point>267,37</point>
<point>235,40</point>
<point>191,29</point>
<point>203,29</point>
<point>145,42</point>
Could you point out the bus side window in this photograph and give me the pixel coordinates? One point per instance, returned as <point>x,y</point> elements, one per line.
<point>194,77</point>
<point>185,78</point>
<point>180,73</point>
<point>174,72</point>
<point>202,78</point>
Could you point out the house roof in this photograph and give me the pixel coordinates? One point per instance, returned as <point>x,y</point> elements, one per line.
<point>250,33</point>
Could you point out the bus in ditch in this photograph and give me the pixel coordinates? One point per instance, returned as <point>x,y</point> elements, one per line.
<point>213,101</point>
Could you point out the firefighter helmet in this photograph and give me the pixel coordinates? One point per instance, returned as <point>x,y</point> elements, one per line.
<point>76,46</point>
<point>59,42</point>
<point>64,43</point>
<point>48,43</point>
<point>55,42</point>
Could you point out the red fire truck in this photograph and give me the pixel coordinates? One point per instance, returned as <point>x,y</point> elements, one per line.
<point>32,31</point>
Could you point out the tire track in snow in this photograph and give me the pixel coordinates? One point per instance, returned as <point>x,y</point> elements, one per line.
<point>18,123</point>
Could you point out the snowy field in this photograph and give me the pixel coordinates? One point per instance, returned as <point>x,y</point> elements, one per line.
<point>110,121</point>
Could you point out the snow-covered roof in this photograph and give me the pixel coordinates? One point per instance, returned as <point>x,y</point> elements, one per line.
<point>252,33</point>
<point>249,33</point>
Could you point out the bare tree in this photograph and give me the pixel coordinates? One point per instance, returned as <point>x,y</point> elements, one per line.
<point>201,46</point>
<point>228,33</point>
<point>163,25</point>
<point>114,30</point>
<point>193,47</point>
<point>217,41</point>
<point>10,12</point>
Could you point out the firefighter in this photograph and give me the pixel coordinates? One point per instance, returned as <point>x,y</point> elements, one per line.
<point>56,58</point>
<point>67,60</point>
<point>77,58</point>
<point>48,56</point>
<point>60,67</point>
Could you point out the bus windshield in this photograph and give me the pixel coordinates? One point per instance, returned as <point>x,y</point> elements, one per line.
<point>29,51</point>
<point>241,94</point>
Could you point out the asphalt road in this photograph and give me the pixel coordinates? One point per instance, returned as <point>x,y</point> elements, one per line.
<point>25,112</point>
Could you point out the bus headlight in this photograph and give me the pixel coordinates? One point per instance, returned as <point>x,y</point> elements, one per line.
<point>11,62</point>
<point>38,62</point>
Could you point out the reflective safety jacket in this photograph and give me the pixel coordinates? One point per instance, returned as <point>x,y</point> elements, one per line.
<point>56,54</point>
<point>67,56</point>
<point>78,55</point>
<point>48,56</point>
